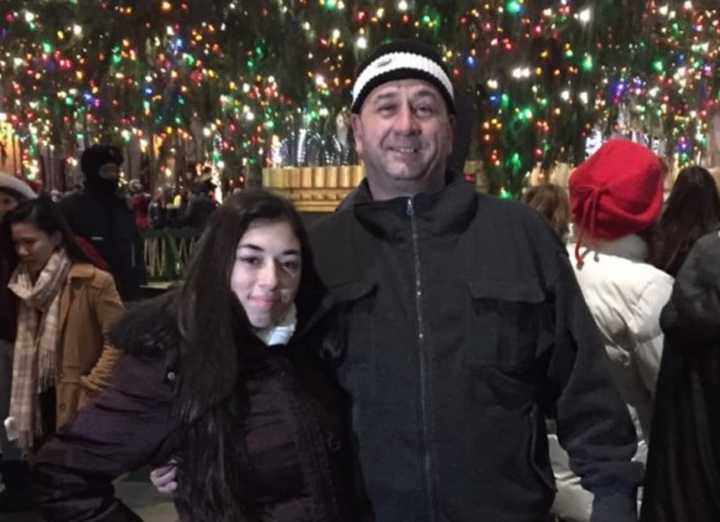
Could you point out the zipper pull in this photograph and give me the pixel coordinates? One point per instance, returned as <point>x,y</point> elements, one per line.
<point>410,209</point>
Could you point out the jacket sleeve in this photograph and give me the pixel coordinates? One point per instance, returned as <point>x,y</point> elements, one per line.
<point>109,309</point>
<point>648,355</point>
<point>125,428</point>
<point>593,424</point>
<point>644,325</point>
<point>694,307</point>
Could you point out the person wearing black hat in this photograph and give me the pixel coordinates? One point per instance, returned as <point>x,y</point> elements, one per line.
<point>460,325</point>
<point>98,215</point>
<point>13,191</point>
<point>201,205</point>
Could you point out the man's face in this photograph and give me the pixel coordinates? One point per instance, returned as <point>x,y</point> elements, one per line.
<point>109,172</point>
<point>404,135</point>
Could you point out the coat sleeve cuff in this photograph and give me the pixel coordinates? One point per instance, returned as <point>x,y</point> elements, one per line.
<point>101,374</point>
<point>614,507</point>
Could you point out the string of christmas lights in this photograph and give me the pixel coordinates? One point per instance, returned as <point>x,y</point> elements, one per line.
<point>224,80</point>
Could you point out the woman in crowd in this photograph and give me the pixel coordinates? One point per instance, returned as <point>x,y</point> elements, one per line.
<point>66,306</point>
<point>692,210</point>
<point>682,482</point>
<point>615,196</point>
<point>551,201</point>
<point>14,470</point>
<point>228,376</point>
<point>157,209</point>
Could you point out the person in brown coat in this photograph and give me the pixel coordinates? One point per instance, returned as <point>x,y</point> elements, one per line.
<point>65,308</point>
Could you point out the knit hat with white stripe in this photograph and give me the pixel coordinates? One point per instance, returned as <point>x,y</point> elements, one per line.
<point>401,60</point>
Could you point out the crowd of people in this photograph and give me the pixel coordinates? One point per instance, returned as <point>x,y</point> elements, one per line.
<point>166,208</point>
<point>629,269</point>
<point>426,353</point>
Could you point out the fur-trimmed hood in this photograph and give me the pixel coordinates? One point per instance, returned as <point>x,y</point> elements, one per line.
<point>150,326</point>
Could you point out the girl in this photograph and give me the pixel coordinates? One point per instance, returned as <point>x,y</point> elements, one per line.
<point>223,374</point>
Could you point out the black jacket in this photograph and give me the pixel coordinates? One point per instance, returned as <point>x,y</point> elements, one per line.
<point>8,300</point>
<point>463,328</point>
<point>287,422</point>
<point>198,211</point>
<point>108,224</point>
<point>682,479</point>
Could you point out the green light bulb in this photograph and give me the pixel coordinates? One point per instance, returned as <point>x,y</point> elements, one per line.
<point>514,7</point>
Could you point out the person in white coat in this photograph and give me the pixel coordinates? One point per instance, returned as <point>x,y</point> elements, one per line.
<point>616,195</point>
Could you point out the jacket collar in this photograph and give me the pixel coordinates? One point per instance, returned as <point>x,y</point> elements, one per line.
<point>347,246</point>
<point>81,271</point>
<point>446,211</point>
<point>631,247</point>
<point>77,271</point>
<point>280,333</point>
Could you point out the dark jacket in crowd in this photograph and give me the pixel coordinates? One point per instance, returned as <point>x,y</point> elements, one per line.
<point>8,300</point>
<point>286,417</point>
<point>682,480</point>
<point>463,328</point>
<point>198,211</point>
<point>106,221</point>
<point>156,214</point>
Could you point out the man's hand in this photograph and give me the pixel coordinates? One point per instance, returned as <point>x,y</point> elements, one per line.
<point>163,478</point>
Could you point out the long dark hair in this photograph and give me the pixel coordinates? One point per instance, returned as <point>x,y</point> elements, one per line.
<point>8,262</point>
<point>692,210</point>
<point>45,215</point>
<point>212,325</point>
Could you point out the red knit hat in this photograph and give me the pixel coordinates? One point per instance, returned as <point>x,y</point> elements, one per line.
<point>617,191</point>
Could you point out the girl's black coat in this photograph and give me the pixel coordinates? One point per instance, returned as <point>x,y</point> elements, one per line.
<point>292,442</point>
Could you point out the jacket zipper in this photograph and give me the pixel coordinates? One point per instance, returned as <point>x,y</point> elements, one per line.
<point>422,357</point>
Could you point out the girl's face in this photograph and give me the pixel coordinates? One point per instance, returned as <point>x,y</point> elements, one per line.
<point>267,269</point>
<point>33,246</point>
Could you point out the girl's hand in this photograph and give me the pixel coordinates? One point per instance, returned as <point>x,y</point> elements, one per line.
<point>164,478</point>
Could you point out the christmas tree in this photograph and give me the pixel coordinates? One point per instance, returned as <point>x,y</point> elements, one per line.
<point>221,80</point>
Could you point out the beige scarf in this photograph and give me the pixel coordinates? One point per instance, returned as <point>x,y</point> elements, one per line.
<point>38,336</point>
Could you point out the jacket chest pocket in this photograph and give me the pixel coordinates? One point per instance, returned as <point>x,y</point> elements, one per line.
<point>509,324</point>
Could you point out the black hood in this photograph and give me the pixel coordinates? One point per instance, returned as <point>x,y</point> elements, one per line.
<point>92,159</point>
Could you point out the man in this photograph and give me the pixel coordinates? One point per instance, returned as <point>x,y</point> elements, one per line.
<point>462,325</point>
<point>98,215</point>
<point>201,204</point>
